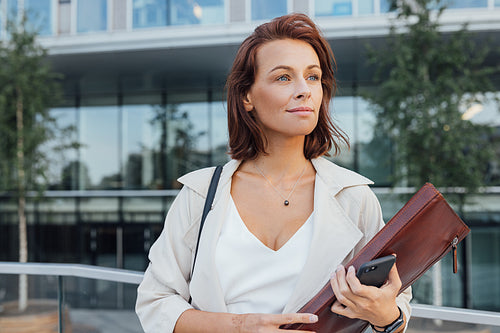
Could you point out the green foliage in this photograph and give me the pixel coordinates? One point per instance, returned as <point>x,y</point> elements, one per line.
<point>425,81</point>
<point>26,76</point>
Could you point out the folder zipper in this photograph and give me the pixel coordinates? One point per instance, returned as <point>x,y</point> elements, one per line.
<point>454,243</point>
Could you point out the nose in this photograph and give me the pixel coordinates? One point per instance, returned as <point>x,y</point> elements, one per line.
<point>302,90</point>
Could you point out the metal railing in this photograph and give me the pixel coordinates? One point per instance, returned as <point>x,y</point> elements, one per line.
<point>431,312</point>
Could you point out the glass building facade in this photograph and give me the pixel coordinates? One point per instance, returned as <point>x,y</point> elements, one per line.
<point>145,116</point>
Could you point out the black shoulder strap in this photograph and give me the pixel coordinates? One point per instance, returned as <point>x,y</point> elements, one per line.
<point>208,205</point>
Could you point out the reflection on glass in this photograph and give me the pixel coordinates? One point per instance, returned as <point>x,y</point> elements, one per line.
<point>370,150</point>
<point>149,13</point>
<point>333,7</point>
<point>265,10</point>
<point>86,299</point>
<point>341,109</point>
<point>385,6</point>
<point>374,146</point>
<point>187,139</point>
<point>62,167</point>
<point>219,133</point>
<point>144,146</point>
<point>12,8</point>
<point>466,3</point>
<point>39,15</point>
<point>485,268</point>
<point>196,12</point>
<point>99,166</point>
<point>365,7</point>
<point>162,143</point>
<point>91,15</point>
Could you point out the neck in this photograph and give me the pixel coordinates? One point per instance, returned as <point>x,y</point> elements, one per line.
<point>284,159</point>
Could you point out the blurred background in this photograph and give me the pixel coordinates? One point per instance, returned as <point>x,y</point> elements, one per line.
<point>142,90</point>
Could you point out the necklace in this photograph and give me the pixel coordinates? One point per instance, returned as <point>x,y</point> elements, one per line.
<point>286,202</point>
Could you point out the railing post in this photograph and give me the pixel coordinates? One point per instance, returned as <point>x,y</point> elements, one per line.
<point>60,302</point>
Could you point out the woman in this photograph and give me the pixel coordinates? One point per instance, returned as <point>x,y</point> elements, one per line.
<point>284,219</point>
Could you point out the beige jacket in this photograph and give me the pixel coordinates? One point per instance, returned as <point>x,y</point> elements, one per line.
<point>347,214</point>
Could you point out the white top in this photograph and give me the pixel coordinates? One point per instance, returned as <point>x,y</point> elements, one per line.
<point>255,278</point>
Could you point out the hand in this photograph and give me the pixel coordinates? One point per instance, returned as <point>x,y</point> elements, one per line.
<point>355,300</point>
<point>263,323</point>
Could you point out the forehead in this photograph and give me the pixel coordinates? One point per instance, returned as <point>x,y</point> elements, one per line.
<point>287,52</point>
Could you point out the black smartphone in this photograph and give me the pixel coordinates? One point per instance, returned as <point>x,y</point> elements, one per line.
<point>375,272</point>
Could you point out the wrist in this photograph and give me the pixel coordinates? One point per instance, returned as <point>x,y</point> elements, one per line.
<point>396,325</point>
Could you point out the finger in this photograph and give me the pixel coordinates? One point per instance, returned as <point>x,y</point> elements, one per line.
<point>341,310</point>
<point>345,294</point>
<point>353,282</point>
<point>296,318</point>
<point>335,282</point>
<point>393,280</point>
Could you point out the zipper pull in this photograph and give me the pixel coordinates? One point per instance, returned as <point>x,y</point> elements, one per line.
<point>454,243</point>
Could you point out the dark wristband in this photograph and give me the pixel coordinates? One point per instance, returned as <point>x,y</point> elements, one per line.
<point>392,326</point>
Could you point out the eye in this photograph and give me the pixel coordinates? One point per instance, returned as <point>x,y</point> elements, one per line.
<point>282,78</point>
<point>314,77</point>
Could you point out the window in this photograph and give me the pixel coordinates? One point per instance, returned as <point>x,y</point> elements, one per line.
<point>196,12</point>
<point>12,8</point>
<point>467,3</point>
<point>39,13</point>
<point>63,172</point>
<point>370,152</point>
<point>161,143</point>
<point>91,15</point>
<point>265,10</point>
<point>2,20</point>
<point>144,144</point>
<point>333,7</point>
<point>154,13</point>
<point>341,109</point>
<point>385,6</point>
<point>149,13</point>
<point>99,165</point>
<point>365,7</point>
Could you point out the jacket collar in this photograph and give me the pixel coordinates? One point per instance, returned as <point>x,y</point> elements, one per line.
<point>335,177</point>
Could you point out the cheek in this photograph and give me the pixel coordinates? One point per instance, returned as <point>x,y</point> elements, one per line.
<point>318,96</point>
<point>269,99</point>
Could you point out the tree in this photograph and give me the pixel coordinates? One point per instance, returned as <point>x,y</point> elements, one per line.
<point>426,79</point>
<point>28,88</point>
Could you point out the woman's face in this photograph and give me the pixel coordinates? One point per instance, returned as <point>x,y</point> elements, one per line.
<point>287,93</point>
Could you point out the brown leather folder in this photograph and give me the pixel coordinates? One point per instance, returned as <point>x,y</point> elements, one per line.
<point>421,233</point>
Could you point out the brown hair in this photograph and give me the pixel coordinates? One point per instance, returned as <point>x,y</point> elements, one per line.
<point>246,139</point>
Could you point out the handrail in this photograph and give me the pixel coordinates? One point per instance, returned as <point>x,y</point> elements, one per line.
<point>455,314</point>
<point>491,190</point>
<point>77,270</point>
<point>134,277</point>
<point>97,194</point>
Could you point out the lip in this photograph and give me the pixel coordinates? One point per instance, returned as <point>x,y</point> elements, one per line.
<point>300,109</point>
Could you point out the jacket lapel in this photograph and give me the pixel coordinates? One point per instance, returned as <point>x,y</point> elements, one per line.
<point>205,285</point>
<point>334,236</point>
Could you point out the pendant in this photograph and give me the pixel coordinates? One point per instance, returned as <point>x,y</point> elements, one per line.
<point>286,202</point>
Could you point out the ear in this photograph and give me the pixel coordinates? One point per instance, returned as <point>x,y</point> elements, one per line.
<point>247,102</point>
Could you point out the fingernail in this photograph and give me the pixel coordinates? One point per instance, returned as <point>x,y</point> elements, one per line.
<point>351,269</point>
<point>313,318</point>
<point>339,268</point>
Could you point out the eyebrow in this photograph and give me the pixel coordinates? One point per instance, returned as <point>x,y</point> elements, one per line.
<point>290,68</point>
